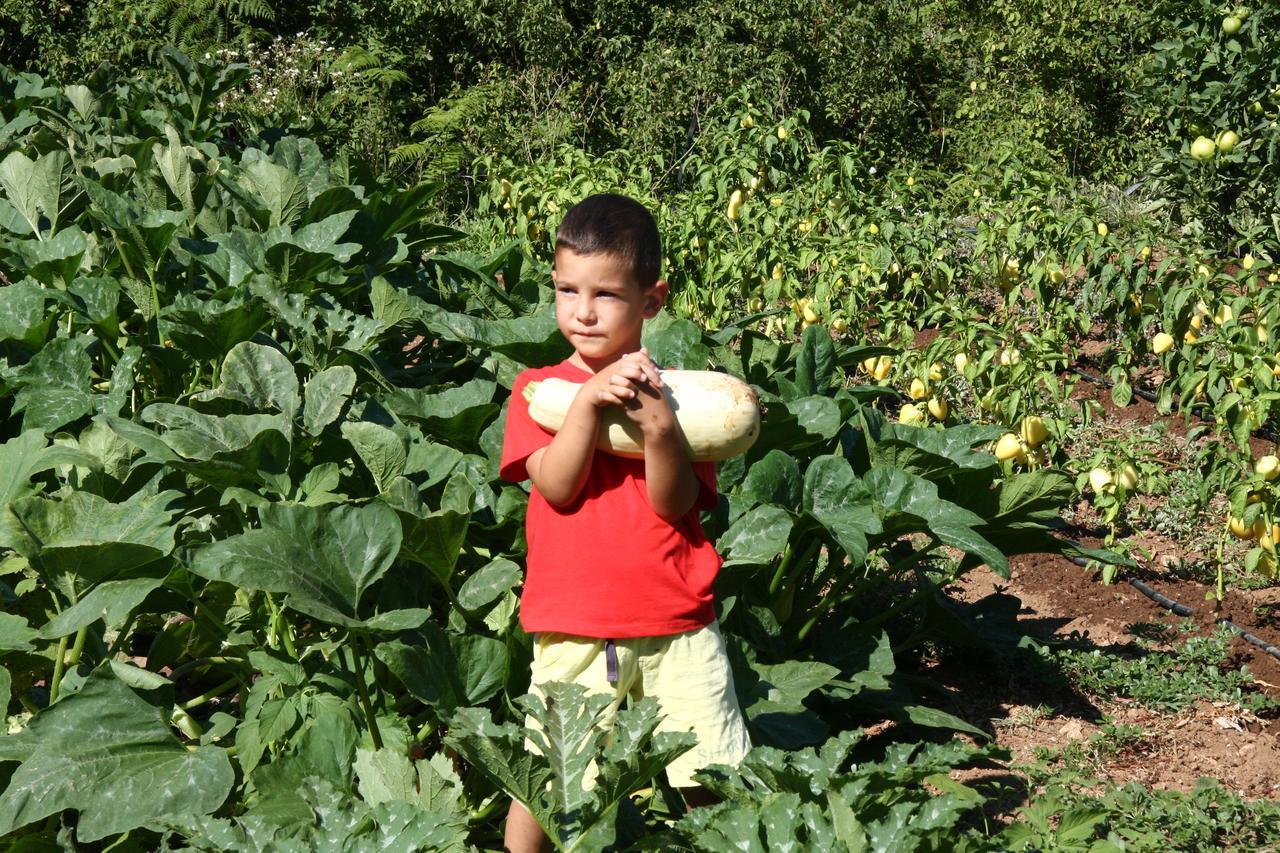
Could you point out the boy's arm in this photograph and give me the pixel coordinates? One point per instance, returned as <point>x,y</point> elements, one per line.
<point>673,487</point>
<point>560,469</point>
<point>672,484</point>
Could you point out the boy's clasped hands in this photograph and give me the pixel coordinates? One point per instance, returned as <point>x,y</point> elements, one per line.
<point>633,382</point>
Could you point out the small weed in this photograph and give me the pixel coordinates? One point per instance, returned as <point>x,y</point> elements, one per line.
<point>1026,718</point>
<point>1156,632</point>
<point>1083,759</point>
<point>1136,818</point>
<point>1165,681</point>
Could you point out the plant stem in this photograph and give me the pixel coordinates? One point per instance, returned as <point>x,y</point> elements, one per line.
<point>781,572</point>
<point>905,604</point>
<point>362,693</point>
<point>831,601</point>
<point>78,648</point>
<point>120,638</point>
<point>209,694</point>
<point>59,665</point>
<point>192,664</point>
<point>287,635</point>
<point>186,723</point>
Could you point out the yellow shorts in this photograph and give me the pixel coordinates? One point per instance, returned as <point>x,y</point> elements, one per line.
<point>688,674</point>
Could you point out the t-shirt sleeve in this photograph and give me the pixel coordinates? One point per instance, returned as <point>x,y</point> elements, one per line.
<point>521,436</point>
<point>707,496</point>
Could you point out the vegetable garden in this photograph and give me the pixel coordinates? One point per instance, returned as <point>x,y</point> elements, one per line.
<point>260,576</point>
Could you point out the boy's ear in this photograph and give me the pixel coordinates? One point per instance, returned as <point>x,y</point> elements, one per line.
<point>655,297</point>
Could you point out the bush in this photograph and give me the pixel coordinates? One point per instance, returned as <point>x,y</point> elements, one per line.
<point>1205,82</point>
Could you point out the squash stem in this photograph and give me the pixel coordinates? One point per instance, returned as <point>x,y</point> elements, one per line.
<point>59,666</point>
<point>362,692</point>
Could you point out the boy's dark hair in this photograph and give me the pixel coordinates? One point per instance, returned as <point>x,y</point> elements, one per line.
<point>611,224</point>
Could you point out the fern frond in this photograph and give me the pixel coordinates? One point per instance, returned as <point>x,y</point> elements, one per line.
<point>409,152</point>
<point>356,59</point>
<point>259,9</point>
<point>387,75</point>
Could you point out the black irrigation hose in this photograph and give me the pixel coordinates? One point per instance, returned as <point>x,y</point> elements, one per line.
<point>1183,610</point>
<point>1198,411</point>
<point>1162,600</point>
<point>1257,641</point>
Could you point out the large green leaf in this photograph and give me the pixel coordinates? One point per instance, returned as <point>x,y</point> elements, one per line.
<point>206,329</point>
<point>676,343</point>
<point>26,455</point>
<point>183,171</point>
<point>1033,496</point>
<point>229,450</point>
<point>387,775</point>
<point>110,601</point>
<point>83,540</point>
<point>759,536</point>
<point>841,503</point>
<point>488,584</point>
<point>110,755</point>
<point>816,363</point>
<point>22,314</point>
<point>447,670</point>
<point>38,189</point>
<point>930,452</point>
<point>775,479</point>
<point>56,261</point>
<point>456,416</point>
<point>324,559</point>
<point>311,250</point>
<point>382,451</point>
<point>282,192</point>
<point>142,234</point>
<point>54,386</point>
<point>432,539</point>
<point>908,504</point>
<point>259,376</point>
<point>530,340</point>
<point>774,702</point>
<point>325,394</point>
<point>15,634</point>
<point>551,784</point>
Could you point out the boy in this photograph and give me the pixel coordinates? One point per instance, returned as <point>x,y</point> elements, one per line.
<point>618,586</point>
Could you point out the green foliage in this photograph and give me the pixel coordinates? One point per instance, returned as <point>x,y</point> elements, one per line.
<point>818,798</point>
<point>251,410</point>
<point>1135,818</point>
<point>1204,82</point>
<point>572,753</point>
<point>937,81</point>
<point>102,750</point>
<point>1022,76</point>
<point>1167,681</point>
<point>195,23</point>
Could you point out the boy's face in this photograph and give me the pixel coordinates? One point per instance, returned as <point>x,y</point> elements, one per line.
<point>600,308</point>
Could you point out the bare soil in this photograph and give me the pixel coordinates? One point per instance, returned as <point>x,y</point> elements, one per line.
<point>1062,600</point>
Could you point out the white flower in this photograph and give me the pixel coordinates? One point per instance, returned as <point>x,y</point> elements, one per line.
<point>872,170</point>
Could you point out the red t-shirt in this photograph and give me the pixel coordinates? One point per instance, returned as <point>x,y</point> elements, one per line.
<point>607,565</point>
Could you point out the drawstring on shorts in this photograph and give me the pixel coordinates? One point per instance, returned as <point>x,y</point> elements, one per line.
<point>611,661</point>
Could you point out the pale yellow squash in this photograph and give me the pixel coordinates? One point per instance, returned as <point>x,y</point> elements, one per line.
<point>719,414</point>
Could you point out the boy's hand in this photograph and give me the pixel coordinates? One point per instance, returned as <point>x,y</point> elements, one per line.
<point>634,383</point>
<point>620,382</point>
